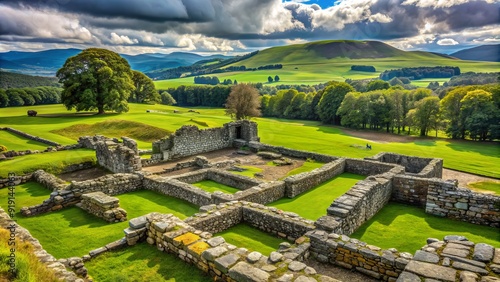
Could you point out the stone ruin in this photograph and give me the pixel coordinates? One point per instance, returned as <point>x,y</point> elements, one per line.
<point>390,177</point>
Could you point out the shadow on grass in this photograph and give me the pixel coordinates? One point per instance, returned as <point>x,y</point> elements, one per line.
<point>52,118</point>
<point>485,148</point>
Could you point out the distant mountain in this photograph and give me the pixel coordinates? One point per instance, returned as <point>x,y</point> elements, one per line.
<point>46,63</point>
<point>487,53</point>
<point>322,51</point>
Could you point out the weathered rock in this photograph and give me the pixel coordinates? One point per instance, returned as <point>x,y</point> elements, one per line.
<point>244,272</point>
<point>426,257</point>
<point>296,266</point>
<point>483,252</point>
<point>431,271</point>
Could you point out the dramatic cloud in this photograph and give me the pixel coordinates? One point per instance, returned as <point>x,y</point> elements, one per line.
<point>243,25</point>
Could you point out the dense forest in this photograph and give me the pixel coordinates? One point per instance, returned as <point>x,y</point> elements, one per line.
<point>17,80</point>
<point>421,72</point>
<point>28,96</point>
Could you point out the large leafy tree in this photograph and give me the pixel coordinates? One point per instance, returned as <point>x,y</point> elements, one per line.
<point>145,91</point>
<point>96,79</point>
<point>426,114</point>
<point>479,113</point>
<point>243,102</point>
<point>330,101</point>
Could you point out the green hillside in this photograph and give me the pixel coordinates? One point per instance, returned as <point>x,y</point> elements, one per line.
<point>322,61</point>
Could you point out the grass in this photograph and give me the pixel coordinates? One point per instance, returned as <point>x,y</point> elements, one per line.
<point>17,143</point>
<point>482,157</point>
<point>115,128</point>
<point>305,167</point>
<point>249,171</point>
<point>243,235</point>
<point>53,162</point>
<point>142,262</point>
<point>28,266</point>
<point>212,186</point>
<point>313,203</point>
<point>397,221</point>
<point>486,186</point>
<point>73,226</point>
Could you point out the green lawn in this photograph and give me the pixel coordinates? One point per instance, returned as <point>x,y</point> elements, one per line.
<point>52,162</point>
<point>486,186</point>
<point>142,262</point>
<point>18,143</point>
<point>212,186</point>
<point>313,203</point>
<point>245,236</point>
<point>249,171</point>
<point>482,157</point>
<point>305,167</point>
<point>73,226</point>
<point>407,228</point>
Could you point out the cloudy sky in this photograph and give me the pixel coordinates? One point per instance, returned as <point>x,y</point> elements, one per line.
<point>240,26</point>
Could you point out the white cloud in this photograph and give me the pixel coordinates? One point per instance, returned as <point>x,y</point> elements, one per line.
<point>447,42</point>
<point>122,39</point>
<point>438,3</point>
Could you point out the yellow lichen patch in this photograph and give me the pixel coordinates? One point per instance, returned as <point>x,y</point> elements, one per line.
<point>199,247</point>
<point>187,238</point>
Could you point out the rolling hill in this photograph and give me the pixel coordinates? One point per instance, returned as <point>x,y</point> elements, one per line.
<point>46,63</point>
<point>322,61</point>
<point>489,53</point>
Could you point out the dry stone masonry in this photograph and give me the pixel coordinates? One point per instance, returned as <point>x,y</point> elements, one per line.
<point>118,157</point>
<point>103,206</point>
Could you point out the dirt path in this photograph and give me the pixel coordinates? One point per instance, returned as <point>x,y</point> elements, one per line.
<point>466,178</point>
<point>84,174</point>
<point>380,137</point>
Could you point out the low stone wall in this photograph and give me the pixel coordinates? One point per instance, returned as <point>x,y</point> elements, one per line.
<point>177,189</point>
<point>222,261</point>
<point>80,166</point>
<point>340,250</point>
<point>234,180</point>
<point>257,146</point>
<point>349,211</point>
<point>369,167</point>
<point>453,259</point>
<point>117,157</point>
<point>410,190</point>
<point>18,179</point>
<point>217,218</point>
<point>445,199</point>
<point>90,142</point>
<point>48,180</point>
<point>189,140</point>
<point>113,184</point>
<point>300,183</point>
<point>103,206</point>
<point>264,193</point>
<point>31,137</point>
<point>24,235</point>
<point>420,167</point>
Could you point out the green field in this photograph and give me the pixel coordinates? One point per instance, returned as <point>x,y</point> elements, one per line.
<point>313,203</point>
<point>17,143</point>
<point>407,228</point>
<point>73,227</point>
<point>245,236</point>
<point>314,63</point>
<point>142,262</point>
<point>212,186</point>
<point>488,186</point>
<point>482,157</point>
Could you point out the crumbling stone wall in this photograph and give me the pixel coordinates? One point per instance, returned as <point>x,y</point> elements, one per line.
<point>190,140</point>
<point>49,180</point>
<point>90,142</point>
<point>445,199</point>
<point>31,137</point>
<point>369,167</point>
<point>300,183</point>
<point>224,177</point>
<point>18,179</point>
<point>264,193</point>
<point>113,184</point>
<point>257,146</point>
<point>420,167</point>
<point>222,261</point>
<point>453,259</point>
<point>119,157</point>
<point>411,189</point>
<point>177,189</point>
<point>340,250</point>
<point>103,206</point>
<point>349,211</point>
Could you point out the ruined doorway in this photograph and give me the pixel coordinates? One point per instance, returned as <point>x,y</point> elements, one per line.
<point>238,132</point>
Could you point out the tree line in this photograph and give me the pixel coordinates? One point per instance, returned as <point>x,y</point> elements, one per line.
<point>421,72</point>
<point>28,96</point>
<point>17,80</point>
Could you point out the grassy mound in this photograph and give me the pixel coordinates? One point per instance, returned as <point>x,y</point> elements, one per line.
<point>115,128</point>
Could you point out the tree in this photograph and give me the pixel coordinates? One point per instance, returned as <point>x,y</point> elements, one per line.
<point>270,79</point>
<point>294,108</point>
<point>426,114</point>
<point>243,102</point>
<point>276,78</point>
<point>4,100</point>
<point>377,85</point>
<point>451,107</point>
<point>349,110</point>
<point>330,101</point>
<point>283,100</point>
<point>96,79</point>
<point>145,91</point>
<point>167,99</point>
<point>479,112</point>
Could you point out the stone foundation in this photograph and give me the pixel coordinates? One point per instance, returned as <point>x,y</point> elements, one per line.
<point>119,158</point>
<point>103,206</point>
